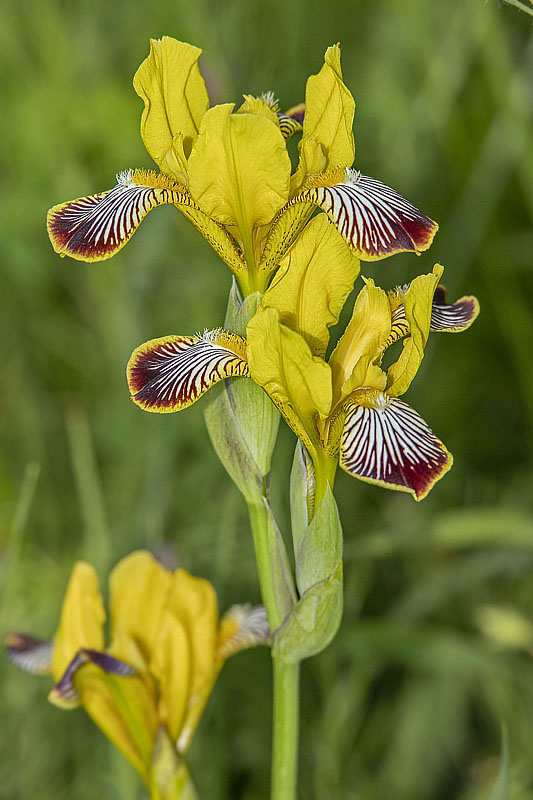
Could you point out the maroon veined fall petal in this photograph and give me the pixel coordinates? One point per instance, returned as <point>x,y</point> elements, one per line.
<point>374,220</point>
<point>392,446</point>
<point>96,227</point>
<point>171,373</point>
<point>452,317</point>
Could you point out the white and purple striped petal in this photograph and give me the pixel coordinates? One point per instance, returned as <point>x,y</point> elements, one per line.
<point>172,372</point>
<point>388,443</point>
<point>30,654</point>
<point>65,693</point>
<point>96,227</point>
<point>375,221</point>
<point>452,317</point>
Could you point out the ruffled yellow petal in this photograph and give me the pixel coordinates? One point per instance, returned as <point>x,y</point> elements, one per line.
<point>175,97</point>
<point>193,602</point>
<point>296,381</point>
<point>365,335</point>
<point>139,589</point>
<point>365,374</point>
<point>171,664</point>
<point>329,112</point>
<point>171,373</point>
<point>239,168</point>
<point>259,105</point>
<point>312,162</point>
<point>82,618</point>
<point>313,282</point>
<point>418,302</point>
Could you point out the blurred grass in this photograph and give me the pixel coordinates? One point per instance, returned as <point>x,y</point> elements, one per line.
<point>409,701</point>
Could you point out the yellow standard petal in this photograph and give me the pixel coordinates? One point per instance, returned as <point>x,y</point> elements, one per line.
<point>296,381</point>
<point>313,282</point>
<point>365,335</point>
<point>418,303</point>
<point>171,664</point>
<point>239,168</point>
<point>193,603</point>
<point>175,97</point>
<point>139,589</point>
<point>82,618</point>
<point>329,112</point>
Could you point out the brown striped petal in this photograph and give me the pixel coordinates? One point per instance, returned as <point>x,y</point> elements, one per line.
<point>172,372</point>
<point>375,221</point>
<point>386,442</point>
<point>96,227</point>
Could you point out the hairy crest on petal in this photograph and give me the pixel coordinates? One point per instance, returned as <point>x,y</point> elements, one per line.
<point>241,627</point>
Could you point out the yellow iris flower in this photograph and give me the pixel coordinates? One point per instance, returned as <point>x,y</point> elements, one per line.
<point>166,648</point>
<point>228,171</point>
<point>345,408</point>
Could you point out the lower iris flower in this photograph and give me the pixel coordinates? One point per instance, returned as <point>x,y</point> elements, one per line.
<point>166,648</point>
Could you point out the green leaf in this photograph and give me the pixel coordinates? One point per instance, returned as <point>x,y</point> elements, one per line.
<point>500,790</point>
<point>302,493</point>
<point>313,623</point>
<point>320,545</point>
<point>282,578</point>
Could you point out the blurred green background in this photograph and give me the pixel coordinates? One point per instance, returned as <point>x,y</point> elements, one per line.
<point>435,651</point>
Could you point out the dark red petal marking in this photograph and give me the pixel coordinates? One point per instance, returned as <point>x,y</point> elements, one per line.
<point>96,227</point>
<point>374,220</point>
<point>30,654</point>
<point>171,373</point>
<point>392,446</point>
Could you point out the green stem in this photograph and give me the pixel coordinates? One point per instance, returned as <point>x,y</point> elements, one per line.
<point>325,469</point>
<point>262,533</point>
<point>286,676</point>
<point>285,736</point>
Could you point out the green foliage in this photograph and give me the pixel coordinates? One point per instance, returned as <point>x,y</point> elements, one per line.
<point>409,701</point>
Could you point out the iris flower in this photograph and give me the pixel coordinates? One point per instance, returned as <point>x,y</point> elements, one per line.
<point>166,648</point>
<point>229,172</point>
<point>346,408</point>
